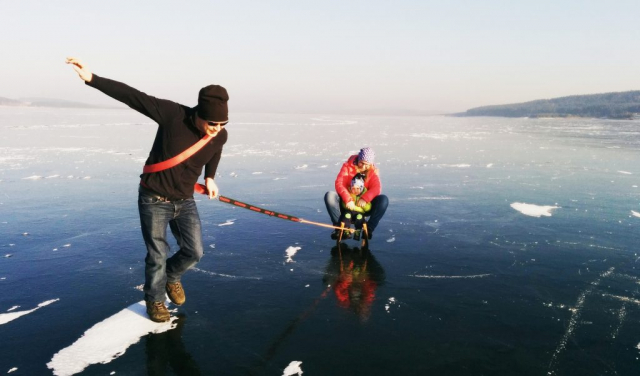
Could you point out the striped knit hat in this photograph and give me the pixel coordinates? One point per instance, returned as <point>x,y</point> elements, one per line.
<point>366,155</point>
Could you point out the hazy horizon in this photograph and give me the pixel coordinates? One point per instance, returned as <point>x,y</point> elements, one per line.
<point>330,57</point>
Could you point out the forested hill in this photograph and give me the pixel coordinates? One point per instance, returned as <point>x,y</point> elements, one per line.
<point>624,105</point>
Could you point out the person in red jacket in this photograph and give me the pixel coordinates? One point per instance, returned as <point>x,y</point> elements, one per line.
<point>361,163</point>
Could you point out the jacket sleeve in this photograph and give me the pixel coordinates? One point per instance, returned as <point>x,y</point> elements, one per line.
<point>151,107</point>
<point>373,185</point>
<point>342,182</point>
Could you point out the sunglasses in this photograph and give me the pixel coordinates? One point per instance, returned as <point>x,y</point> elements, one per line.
<point>217,123</point>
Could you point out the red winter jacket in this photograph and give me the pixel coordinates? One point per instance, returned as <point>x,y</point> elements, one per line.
<point>348,171</point>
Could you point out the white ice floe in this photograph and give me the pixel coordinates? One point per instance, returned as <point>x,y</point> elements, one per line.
<point>290,252</point>
<point>107,340</point>
<point>450,276</point>
<point>293,369</point>
<point>391,302</point>
<point>222,275</point>
<point>228,222</point>
<point>7,317</point>
<point>533,210</point>
<point>635,213</point>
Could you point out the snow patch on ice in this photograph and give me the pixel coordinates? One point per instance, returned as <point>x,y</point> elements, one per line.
<point>293,369</point>
<point>302,167</point>
<point>625,172</point>
<point>451,276</point>
<point>7,317</point>
<point>33,177</point>
<point>391,239</point>
<point>635,213</point>
<point>290,252</point>
<point>13,369</point>
<point>107,340</point>
<point>229,222</point>
<point>533,210</point>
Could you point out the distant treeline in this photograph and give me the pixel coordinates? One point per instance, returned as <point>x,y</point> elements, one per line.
<point>625,105</point>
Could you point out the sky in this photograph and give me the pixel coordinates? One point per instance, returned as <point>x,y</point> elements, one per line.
<point>364,57</point>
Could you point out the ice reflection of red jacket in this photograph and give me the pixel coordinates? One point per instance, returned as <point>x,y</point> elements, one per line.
<point>348,171</point>
<point>355,285</point>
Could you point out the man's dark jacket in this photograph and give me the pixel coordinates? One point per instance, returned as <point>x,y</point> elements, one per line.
<point>176,133</point>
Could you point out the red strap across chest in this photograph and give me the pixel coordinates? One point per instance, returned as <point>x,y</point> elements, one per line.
<point>178,158</point>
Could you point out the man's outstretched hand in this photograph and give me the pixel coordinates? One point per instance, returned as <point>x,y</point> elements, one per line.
<point>80,68</point>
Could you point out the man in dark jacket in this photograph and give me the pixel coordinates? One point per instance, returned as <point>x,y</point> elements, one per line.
<point>166,196</point>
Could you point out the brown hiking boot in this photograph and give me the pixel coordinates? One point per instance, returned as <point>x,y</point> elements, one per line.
<point>158,312</point>
<point>176,293</point>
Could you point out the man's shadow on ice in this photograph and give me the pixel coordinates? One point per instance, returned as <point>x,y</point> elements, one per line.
<point>166,351</point>
<point>354,275</point>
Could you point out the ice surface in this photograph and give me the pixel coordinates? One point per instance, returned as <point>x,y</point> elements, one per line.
<point>7,317</point>
<point>107,340</point>
<point>534,210</point>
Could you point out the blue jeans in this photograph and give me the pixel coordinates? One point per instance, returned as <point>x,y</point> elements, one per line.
<point>378,208</point>
<point>184,221</point>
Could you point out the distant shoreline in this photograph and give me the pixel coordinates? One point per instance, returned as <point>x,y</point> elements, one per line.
<point>615,106</point>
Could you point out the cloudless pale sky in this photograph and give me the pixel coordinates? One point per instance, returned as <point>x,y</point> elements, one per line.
<point>324,56</point>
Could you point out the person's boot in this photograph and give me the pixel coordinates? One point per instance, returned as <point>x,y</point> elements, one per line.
<point>176,293</point>
<point>158,312</point>
<point>335,234</point>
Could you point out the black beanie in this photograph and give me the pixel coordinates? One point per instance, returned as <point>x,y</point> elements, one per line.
<point>212,103</point>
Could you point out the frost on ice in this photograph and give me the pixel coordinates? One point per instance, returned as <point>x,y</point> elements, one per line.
<point>6,317</point>
<point>291,251</point>
<point>107,340</point>
<point>293,369</point>
<point>534,210</point>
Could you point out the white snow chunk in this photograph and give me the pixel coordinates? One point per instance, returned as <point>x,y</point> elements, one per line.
<point>625,172</point>
<point>293,369</point>
<point>635,213</point>
<point>490,165</point>
<point>107,340</point>
<point>391,239</point>
<point>291,251</point>
<point>227,223</point>
<point>533,210</point>
<point>301,167</point>
<point>7,317</point>
<point>13,369</point>
<point>33,177</point>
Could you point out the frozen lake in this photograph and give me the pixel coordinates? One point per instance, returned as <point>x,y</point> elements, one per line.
<point>509,247</point>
